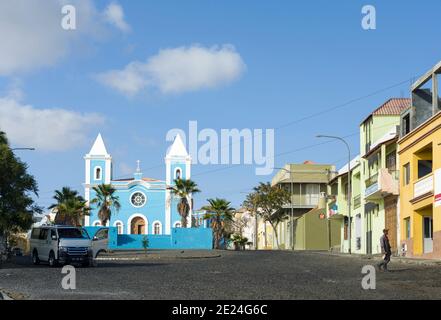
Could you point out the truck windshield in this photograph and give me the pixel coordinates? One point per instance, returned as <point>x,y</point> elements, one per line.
<point>72,233</point>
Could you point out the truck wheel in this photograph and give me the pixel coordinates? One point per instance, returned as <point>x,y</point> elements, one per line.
<point>52,261</point>
<point>35,259</point>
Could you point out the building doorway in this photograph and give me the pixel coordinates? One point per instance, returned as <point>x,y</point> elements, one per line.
<point>390,211</point>
<point>137,226</point>
<point>428,234</point>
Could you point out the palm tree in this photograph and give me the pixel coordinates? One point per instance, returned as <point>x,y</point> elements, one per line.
<point>70,207</point>
<point>184,189</point>
<point>220,214</point>
<point>106,200</point>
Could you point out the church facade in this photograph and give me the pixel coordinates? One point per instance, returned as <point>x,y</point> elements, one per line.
<point>147,205</point>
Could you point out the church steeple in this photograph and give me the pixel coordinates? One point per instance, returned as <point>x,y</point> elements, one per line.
<point>98,163</point>
<point>177,149</point>
<point>98,148</point>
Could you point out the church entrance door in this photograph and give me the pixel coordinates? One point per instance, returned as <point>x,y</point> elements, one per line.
<point>138,226</point>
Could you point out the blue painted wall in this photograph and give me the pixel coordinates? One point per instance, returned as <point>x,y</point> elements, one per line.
<point>180,238</point>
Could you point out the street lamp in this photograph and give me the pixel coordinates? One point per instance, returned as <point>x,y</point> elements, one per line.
<point>292,205</point>
<point>349,182</point>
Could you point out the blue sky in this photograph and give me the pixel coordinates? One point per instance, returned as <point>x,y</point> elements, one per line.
<point>299,58</point>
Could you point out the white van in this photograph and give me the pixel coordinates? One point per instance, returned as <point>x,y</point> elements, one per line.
<point>61,244</point>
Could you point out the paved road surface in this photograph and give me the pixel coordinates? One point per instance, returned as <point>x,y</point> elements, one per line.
<point>235,275</point>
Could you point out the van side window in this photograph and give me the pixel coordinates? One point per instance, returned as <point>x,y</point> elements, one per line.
<point>102,234</point>
<point>43,234</point>
<point>35,233</point>
<point>53,233</point>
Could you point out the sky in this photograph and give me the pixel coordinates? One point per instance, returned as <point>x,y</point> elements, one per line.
<point>133,70</point>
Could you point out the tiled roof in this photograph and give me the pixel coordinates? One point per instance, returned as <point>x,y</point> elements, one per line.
<point>392,106</point>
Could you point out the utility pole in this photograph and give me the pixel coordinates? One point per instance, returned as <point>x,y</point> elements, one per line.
<point>349,184</point>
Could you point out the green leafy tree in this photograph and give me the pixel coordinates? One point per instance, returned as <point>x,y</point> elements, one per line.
<point>220,214</point>
<point>106,201</point>
<point>70,207</point>
<point>184,189</point>
<point>269,201</point>
<point>17,188</point>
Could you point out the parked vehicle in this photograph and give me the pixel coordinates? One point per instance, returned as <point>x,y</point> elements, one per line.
<point>61,244</point>
<point>100,242</point>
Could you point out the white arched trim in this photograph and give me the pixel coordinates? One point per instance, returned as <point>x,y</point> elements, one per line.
<point>136,215</point>
<point>153,226</point>
<point>94,173</point>
<point>175,225</point>
<point>96,223</point>
<point>115,224</point>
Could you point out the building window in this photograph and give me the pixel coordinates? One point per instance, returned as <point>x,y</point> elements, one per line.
<point>156,228</point>
<point>119,227</point>
<point>407,226</point>
<point>391,162</point>
<point>97,224</point>
<point>406,174</point>
<point>177,224</point>
<point>406,124</point>
<point>138,199</point>
<point>97,173</point>
<point>178,174</point>
<point>424,168</point>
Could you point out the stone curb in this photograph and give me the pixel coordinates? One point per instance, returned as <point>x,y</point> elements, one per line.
<point>154,258</point>
<point>393,259</point>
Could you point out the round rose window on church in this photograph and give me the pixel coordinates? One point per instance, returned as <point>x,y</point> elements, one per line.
<point>138,199</point>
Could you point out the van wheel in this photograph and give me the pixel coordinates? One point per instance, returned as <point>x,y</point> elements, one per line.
<point>35,259</point>
<point>52,261</point>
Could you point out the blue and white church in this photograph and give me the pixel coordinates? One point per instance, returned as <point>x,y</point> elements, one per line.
<point>147,205</point>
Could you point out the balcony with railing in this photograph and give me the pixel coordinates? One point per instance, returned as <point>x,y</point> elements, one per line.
<point>381,184</point>
<point>423,186</point>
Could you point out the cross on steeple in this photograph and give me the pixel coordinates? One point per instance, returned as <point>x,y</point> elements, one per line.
<point>138,168</point>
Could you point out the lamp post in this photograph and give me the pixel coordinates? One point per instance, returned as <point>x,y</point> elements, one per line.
<point>292,205</point>
<point>349,183</point>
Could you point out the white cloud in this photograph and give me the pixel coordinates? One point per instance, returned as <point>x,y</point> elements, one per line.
<point>114,14</point>
<point>31,35</point>
<point>45,129</point>
<point>178,70</point>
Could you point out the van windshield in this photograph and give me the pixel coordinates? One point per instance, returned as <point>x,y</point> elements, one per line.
<point>72,233</point>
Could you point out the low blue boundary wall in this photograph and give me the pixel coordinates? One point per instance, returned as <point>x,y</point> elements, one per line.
<point>180,238</point>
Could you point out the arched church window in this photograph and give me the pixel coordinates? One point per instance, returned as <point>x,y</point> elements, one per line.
<point>98,173</point>
<point>156,228</point>
<point>97,224</point>
<point>178,174</point>
<point>177,224</point>
<point>119,227</point>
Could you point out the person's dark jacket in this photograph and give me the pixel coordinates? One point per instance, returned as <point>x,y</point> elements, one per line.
<point>385,244</point>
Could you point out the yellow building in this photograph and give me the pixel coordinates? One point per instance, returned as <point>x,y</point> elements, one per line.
<point>420,170</point>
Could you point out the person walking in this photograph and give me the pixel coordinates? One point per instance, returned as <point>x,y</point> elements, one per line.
<point>385,250</point>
